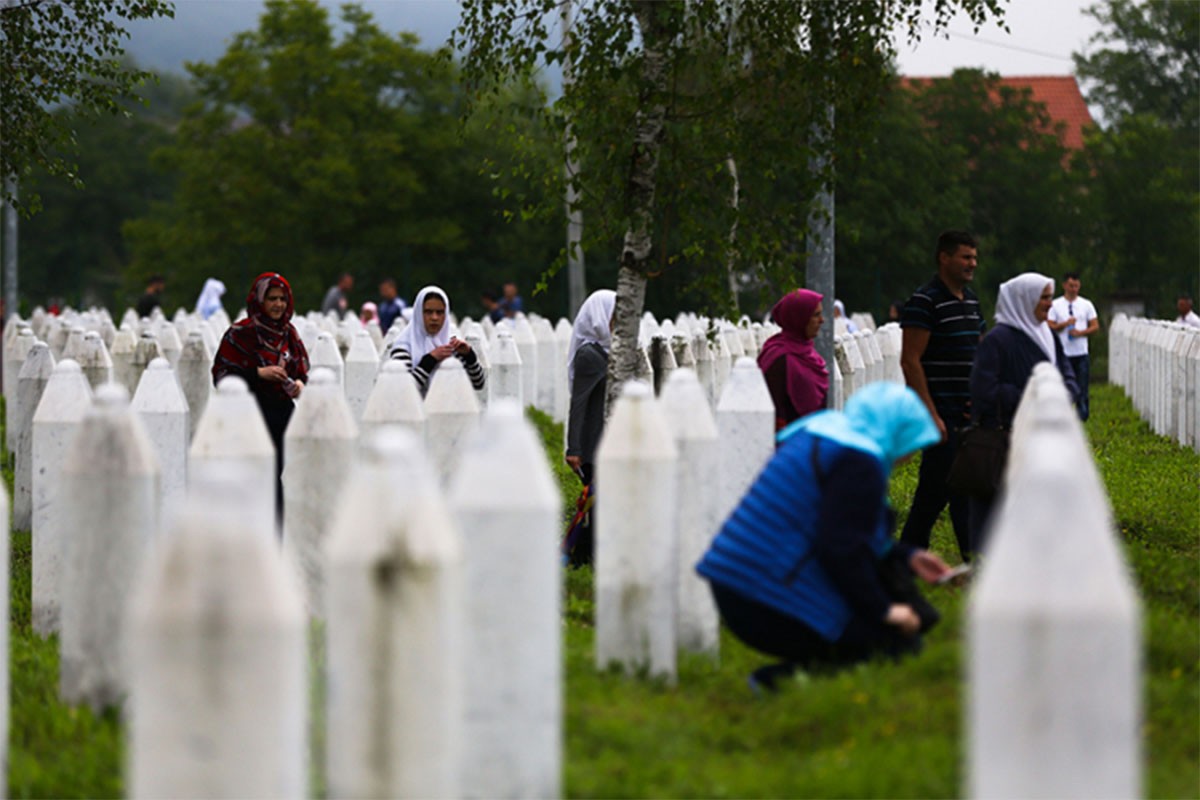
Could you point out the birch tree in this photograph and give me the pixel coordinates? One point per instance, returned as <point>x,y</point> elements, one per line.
<point>665,92</point>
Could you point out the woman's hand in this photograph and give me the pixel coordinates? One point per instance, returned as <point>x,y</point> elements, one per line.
<point>926,566</point>
<point>574,462</point>
<point>903,617</point>
<point>272,374</point>
<point>442,352</point>
<point>293,388</point>
<point>459,345</point>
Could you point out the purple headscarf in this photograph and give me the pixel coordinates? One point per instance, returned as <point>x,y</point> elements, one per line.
<point>807,377</point>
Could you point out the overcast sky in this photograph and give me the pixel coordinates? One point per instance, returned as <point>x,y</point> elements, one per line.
<point>1043,35</point>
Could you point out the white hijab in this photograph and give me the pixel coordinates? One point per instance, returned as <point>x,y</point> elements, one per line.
<point>414,339</point>
<point>210,298</point>
<point>592,325</point>
<point>1018,298</point>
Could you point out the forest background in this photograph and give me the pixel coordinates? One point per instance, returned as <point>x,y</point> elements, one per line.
<point>316,145</point>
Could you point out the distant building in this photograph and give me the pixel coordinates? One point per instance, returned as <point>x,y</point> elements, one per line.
<point>1058,93</point>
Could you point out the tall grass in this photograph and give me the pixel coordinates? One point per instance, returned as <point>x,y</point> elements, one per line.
<point>879,730</point>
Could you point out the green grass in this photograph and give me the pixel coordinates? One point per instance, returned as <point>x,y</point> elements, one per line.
<point>889,730</point>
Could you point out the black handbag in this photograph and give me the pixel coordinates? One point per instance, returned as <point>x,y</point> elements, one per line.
<point>979,462</point>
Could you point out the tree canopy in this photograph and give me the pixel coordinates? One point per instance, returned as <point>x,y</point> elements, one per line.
<point>56,53</point>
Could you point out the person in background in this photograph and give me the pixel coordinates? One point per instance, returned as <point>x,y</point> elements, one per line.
<point>266,352</point>
<point>1074,319</point>
<point>152,297</point>
<point>895,310</point>
<point>839,313</point>
<point>796,374</point>
<point>1186,315</point>
<point>368,312</point>
<point>796,569</point>
<point>587,374</point>
<point>391,307</point>
<point>941,329</point>
<point>427,342</point>
<point>511,302</point>
<point>491,306</point>
<point>335,299</point>
<point>1005,360</point>
<point>209,301</point>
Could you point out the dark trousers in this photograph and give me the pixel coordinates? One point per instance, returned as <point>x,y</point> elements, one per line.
<point>980,517</point>
<point>932,496</point>
<point>1082,369</point>
<point>277,416</point>
<point>769,631</point>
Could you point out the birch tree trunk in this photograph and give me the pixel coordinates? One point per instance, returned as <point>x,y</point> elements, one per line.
<point>643,176</point>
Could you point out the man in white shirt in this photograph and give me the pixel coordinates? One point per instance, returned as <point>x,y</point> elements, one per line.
<point>1074,319</point>
<point>1186,315</point>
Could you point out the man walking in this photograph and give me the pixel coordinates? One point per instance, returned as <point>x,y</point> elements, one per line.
<point>335,299</point>
<point>390,304</point>
<point>941,330</point>
<point>1073,319</point>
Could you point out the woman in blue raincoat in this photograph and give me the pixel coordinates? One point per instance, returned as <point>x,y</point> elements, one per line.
<point>796,570</point>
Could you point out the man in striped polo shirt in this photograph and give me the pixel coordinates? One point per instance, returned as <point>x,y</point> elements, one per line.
<point>942,328</point>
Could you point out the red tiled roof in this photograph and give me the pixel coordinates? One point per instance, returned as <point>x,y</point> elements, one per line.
<point>1058,93</point>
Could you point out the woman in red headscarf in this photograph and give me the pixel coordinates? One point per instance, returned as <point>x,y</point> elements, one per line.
<point>265,351</point>
<point>794,370</point>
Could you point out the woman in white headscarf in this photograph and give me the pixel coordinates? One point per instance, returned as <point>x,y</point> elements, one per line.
<point>209,301</point>
<point>587,372</point>
<point>427,342</point>
<point>1005,360</point>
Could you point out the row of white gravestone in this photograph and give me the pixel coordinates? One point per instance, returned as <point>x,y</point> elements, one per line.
<point>1157,363</point>
<point>864,357</point>
<point>1054,631</point>
<point>445,659</point>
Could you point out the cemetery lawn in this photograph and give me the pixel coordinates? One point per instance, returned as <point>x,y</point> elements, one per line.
<point>879,730</point>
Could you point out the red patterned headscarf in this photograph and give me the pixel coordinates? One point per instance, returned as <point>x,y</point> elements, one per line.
<point>259,341</point>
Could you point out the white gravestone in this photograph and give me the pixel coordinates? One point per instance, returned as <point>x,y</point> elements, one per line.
<point>509,511</point>
<point>233,436</point>
<point>55,423</point>
<point>722,366</point>
<point>219,667</point>
<point>1054,666</point>
<point>505,379</point>
<point>562,397</point>
<point>395,400</point>
<point>527,345</point>
<point>362,363</point>
<point>110,502</point>
<point>698,508</point>
<point>325,354</point>
<point>705,367</point>
<point>547,359</point>
<point>195,378</point>
<point>394,630</point>
<point>14,359</point>
<point>662,361</point>
<point>170,346</point>
<point>746,420</point>
<point>163,409</point>
<point>145,351</point>
<point>478,341</point>
<point>31,383</point>
<point>451,416</point>
<point>73,348</point>
<point>95,361</point>
<point>636,550</point>
<point>318,453</point>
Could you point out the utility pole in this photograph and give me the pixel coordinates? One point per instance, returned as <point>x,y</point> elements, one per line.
<point>576,285</point>
<point>10,248</point>
<point>819,271</point>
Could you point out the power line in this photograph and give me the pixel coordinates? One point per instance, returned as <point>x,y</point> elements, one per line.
<point>1007,46</point>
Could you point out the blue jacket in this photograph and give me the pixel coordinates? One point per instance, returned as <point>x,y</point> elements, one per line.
<point>807,537</point>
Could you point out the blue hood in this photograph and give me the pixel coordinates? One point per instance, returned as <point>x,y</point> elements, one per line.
<point>885,419</point>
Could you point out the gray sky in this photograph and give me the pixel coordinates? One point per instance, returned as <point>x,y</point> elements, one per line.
<point>1043,35</point>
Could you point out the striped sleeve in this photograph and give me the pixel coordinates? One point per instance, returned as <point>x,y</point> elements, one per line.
<point>419,373</point>
<point>474,369</point>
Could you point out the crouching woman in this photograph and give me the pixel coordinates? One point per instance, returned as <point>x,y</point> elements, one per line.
<point>798,570</point>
